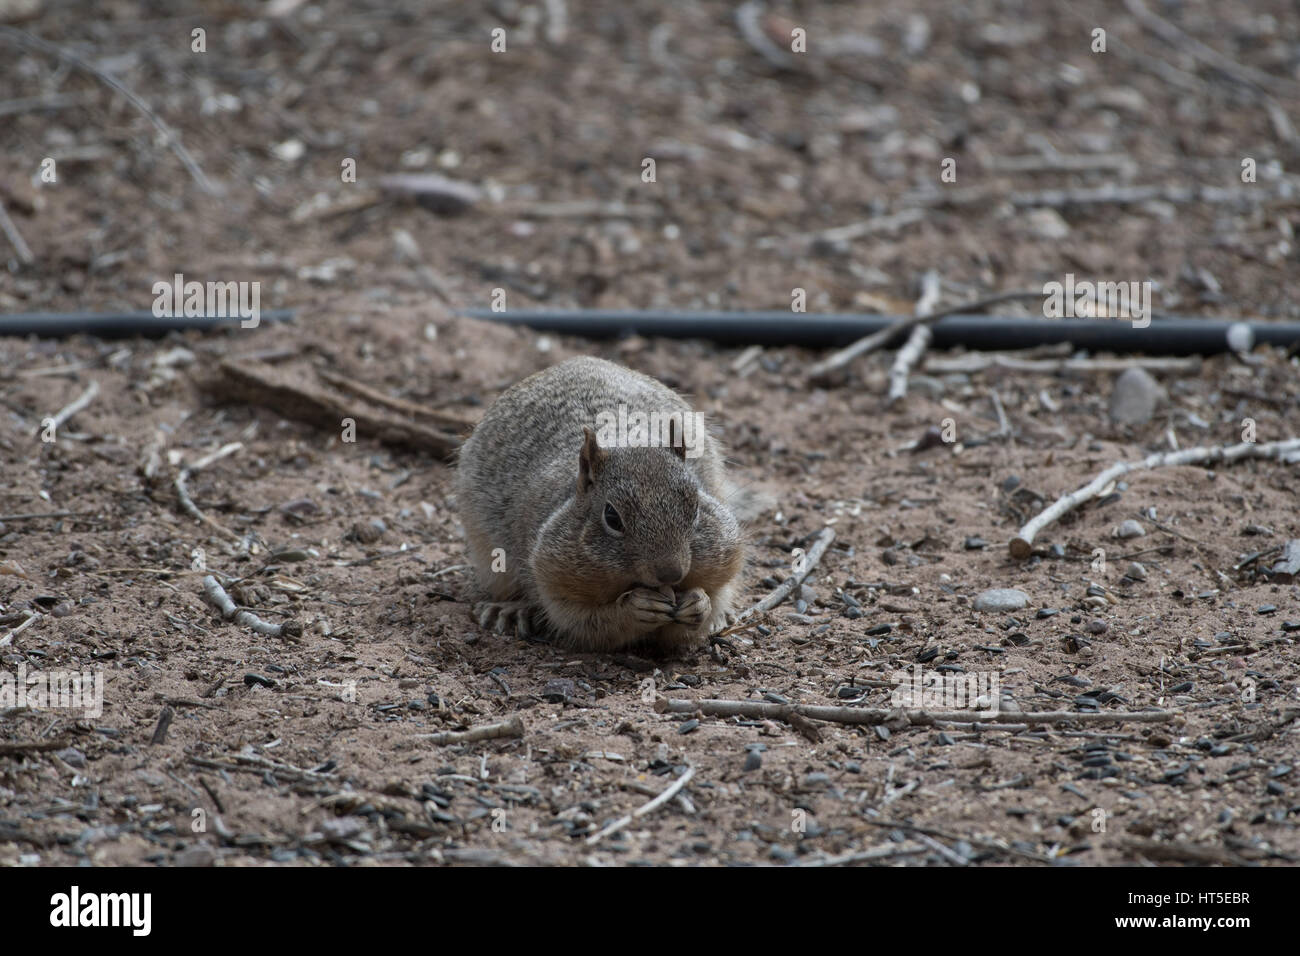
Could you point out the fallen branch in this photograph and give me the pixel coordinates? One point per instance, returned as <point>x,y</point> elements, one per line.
<point>886,335</point>
<point>793,581</point>
<point>397,404</point>
<point>22,38</point>
<point>1021,546</point>
<point>512,728</point>
<point>216,595</point>
<point>30,620</point>
<point>671,791</point>
<point>72,408</point>
<point>760,710</point>
<point>305,402</point>
<point>183,492</point>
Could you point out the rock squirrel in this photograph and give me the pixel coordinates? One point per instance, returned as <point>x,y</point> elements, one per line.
<point>596,508</point>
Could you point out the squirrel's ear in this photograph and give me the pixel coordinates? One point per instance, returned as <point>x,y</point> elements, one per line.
<point>676,440</point>
<point>590,460</point>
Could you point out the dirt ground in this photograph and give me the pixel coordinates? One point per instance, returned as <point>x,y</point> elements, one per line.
<point>309,749</point>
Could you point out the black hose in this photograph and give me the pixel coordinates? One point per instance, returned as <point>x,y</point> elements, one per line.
<point>109,325</point>
<point>1163,336</point>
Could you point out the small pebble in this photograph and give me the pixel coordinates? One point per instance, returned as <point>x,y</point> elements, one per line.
<point>1130,529</point>
<point>1001,599</point>
<point>1136,571</point>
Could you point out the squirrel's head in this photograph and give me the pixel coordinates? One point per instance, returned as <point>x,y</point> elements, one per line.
<point>638,508</point>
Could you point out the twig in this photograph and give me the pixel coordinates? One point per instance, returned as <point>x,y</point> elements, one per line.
<point>886,335</point>
<point>977,362</point>
<point>15,237</point>
<point>216,595</point>
<point>794,580</point>
<point>54,101</point>
<point>1101,195</point>
<point>77,405</point>
<point>1004,427</point>
<point>748,17</point>
<point>671,791</point>
<point>849,232</point>
<point>512,728</point>
<point>758,709</point>
<point>885,852</point>
<point>1173,35</point>
<point>182,492</point>
<point>9,749</point>
<point>22,38</point>
<point>9,638</point>
<point>1021,546</point>
<point>918,341</point>
<point>164,721</point>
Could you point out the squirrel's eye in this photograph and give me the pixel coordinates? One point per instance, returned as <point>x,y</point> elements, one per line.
<point>612,520</point>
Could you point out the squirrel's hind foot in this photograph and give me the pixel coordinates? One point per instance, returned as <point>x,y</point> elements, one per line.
<point>506,617</point>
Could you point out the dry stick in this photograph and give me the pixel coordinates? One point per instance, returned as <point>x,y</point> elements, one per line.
<point>979,362</point>
<point>1105,195</point>
<point>397,404</point>
<point>847,233</point>
<point>1021,546</point>
<point>672,790</point>
<point>187,503</point>
<point>9,638</point>
<point>1004,427</point>
<point>886,335</point>
<point>757,709</point>
<point>22,38</point>
<point>883,852</point>
<point>918,341</point>
<point>216,595</point>
<point>794,580</point>
<point>10,229</point>
<point>65,413</point>
<point>31,746</point>
<point>512,728</point>
<point>1207,55</point>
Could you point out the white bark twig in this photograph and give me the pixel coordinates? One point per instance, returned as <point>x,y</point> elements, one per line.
<point>1021,546</point>
<point>641,811</point>
<point>514,727</point>
<point>886,335</point>
<point>183,493</point>
<point>793,581</point>
<point>72,408</point>
<point>216,595</point>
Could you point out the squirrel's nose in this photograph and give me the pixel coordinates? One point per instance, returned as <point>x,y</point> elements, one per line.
<point>669,574</point>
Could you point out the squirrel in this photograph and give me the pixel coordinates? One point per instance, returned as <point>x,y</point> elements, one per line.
<point>595,508</point>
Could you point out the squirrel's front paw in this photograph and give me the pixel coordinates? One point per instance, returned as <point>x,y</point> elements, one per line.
<point>649,608</point>
<point>693,608</point>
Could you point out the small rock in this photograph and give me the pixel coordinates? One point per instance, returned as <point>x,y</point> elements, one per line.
<point>199,854</point>
<point>1097,627</point>
<point>1046,224</point>
<point>1001,599</point>
<point>1130,529</point>
<point>1136,572</point>
<point>975,543</point>
<point>1134,398</point>
<point>73,758</point>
